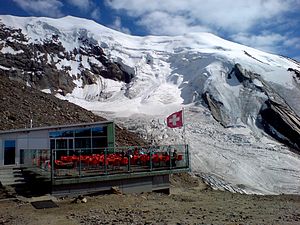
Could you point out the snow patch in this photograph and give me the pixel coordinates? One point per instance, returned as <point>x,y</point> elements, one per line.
<point>10,50</point>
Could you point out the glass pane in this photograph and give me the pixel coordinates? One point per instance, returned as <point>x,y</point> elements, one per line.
<point>99,131</point>
<point>99,143</point>
<point>58,134</point>
<point>21,156</point>
<point>61,143</point>
<point>82,143</point>
<point>83,133</point>
<point>71,143</point>
<point>9,152</point>
<point>10,144</point>
<point>52,144</point>
<point>67,133</point>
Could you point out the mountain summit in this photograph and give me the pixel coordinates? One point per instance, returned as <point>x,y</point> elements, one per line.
<point>236,98</point>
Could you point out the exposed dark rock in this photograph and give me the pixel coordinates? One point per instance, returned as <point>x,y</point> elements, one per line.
<point>246,53</point>
<point>297,72</point>
<point>277,117</point>
<point>297,75</point>
<point>239,73</point>
<point>88,77</point>
<point>215,107</point>
<point>282,123</point>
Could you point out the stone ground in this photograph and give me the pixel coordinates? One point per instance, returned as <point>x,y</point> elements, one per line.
<point>190,202</point>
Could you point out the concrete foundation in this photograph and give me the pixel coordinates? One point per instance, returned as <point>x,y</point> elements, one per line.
<point>132,185</point>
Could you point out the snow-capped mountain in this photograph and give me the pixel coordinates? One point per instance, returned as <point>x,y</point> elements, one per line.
<point>234,96</point>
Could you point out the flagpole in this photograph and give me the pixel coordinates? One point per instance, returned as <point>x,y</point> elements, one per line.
<point>184,138</point>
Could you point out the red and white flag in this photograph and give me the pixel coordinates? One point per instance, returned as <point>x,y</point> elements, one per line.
<point>175,120</point>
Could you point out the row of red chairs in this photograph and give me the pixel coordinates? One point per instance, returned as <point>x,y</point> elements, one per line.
<point>114,159</point>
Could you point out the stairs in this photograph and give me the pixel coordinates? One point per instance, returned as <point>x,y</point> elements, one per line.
<point>11,176</point>
<point>23,182</point>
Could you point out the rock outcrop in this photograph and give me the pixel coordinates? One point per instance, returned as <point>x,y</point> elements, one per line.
<point>281,122</point>
<point>275,116</point>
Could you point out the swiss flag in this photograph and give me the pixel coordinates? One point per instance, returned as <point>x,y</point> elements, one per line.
<point>175,120</point>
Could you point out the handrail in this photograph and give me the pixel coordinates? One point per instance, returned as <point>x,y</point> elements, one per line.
<point>85,162</point>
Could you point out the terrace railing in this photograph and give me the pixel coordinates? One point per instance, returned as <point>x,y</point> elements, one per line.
<point>68,163</point>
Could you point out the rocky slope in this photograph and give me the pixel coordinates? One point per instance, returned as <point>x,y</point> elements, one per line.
<point>19,103</point>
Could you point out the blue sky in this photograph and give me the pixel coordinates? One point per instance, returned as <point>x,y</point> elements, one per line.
<point>269,25</point>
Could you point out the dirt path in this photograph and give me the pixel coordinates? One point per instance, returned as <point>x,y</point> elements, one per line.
<point>190,202</point>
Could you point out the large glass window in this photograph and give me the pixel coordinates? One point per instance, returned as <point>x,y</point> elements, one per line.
<point>84,140</point>
<point>84,132</point>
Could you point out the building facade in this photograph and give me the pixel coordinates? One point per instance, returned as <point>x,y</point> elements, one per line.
<point>17,146</point>
<point>83,158</point>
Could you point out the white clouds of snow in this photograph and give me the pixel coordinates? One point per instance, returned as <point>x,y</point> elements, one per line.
<point>117,25</point>
<point>258,23</point>
<point>95,14</point>
<point>85,6</point>
<point>43,7</point>
<point>230,15</point>
<point>271,42</point>
<point>267,42</point>
<point>53,8</point>
<point>81,4</point>
<point>161,23</point>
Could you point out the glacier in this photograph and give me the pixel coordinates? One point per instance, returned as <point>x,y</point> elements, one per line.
<point>197,72</point>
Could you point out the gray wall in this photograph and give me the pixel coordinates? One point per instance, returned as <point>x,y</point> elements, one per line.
<point>33,140</point>
<point>1,152</point>
<point>25,140</point>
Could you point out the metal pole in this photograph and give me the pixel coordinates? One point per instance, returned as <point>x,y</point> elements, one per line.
<point>188,156</point>
<point>183,121</point>
<point>170,163</point>
<point>151,166</point>
<point>79,162</point>
<point>52,165</point>
<point>105,160</point>
<point>129,157</point>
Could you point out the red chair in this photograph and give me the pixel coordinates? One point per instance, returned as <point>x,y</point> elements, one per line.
<point>144,159</point>
<point>117,161</point>
<point>124,162</point>
<point>134,159</point>
<point>155,158</point>
<point>58,164</point>
<point>167,158</point>
<point>94,162</point>
<point>179,157</point>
